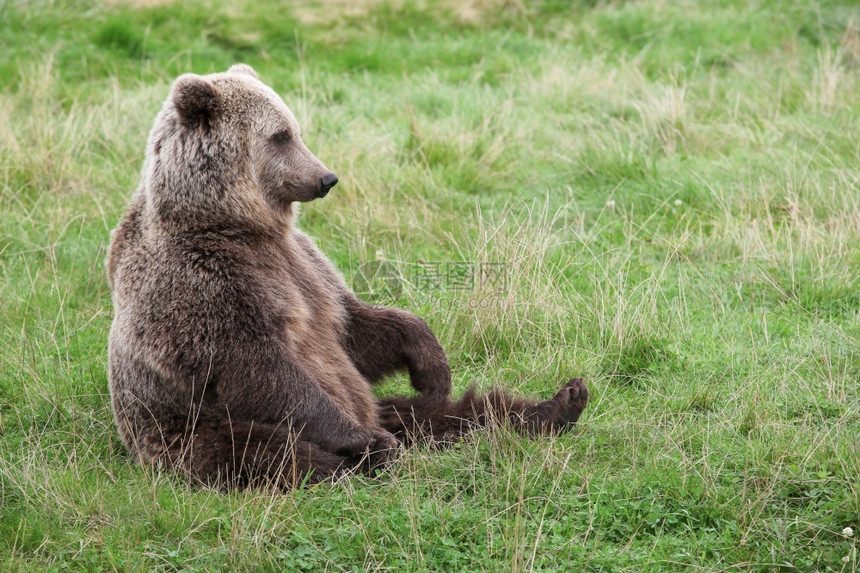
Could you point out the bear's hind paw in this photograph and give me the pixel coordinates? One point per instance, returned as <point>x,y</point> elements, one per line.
<point>569,402</point>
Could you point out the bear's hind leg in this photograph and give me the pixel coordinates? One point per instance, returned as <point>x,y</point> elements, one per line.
<point>250,455</point>
<point>438,419</point>
<point>564,409</point>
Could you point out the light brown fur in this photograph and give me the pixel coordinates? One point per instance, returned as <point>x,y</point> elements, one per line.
<point>238,354</point>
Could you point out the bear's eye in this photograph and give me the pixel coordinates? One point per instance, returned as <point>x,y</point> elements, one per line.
<point>281,137</point>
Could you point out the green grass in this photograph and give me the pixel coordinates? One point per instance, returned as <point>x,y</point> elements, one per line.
<point>673,191</point>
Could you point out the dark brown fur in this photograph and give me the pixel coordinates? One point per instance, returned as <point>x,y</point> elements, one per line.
<point>237,354</point>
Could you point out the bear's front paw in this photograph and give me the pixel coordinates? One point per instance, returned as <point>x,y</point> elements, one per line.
<point>371,449</point>
<point>382,449</point>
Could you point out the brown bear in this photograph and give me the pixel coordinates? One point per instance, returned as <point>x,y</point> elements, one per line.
<point>238,355</point>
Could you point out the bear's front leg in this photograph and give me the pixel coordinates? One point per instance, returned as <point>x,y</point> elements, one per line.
<point>381,341</point>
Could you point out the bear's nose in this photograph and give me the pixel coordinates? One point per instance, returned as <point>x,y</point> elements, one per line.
<point>327,182</point>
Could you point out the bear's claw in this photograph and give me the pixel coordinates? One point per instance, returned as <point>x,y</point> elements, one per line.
<point>382,449</point>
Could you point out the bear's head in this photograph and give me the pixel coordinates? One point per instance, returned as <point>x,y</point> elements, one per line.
<point>224,150</point>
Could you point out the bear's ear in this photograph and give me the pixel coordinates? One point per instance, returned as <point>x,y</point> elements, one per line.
<point>194,98</point>
<point>243,69</point>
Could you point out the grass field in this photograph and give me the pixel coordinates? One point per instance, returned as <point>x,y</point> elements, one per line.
<point>668,191</point>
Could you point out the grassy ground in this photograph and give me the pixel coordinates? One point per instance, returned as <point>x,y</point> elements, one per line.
<point>669,191</point>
